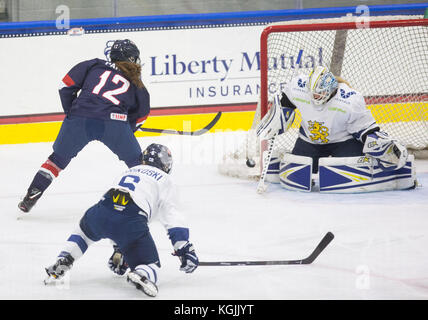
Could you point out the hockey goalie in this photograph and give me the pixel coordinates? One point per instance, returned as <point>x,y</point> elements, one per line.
<point>339,144</point>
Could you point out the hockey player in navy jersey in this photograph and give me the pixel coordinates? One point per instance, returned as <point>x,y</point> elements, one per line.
<point>104,101</point>
<point>122,215</point>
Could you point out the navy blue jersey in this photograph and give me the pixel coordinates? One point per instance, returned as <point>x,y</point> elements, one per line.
<point>105,93</point>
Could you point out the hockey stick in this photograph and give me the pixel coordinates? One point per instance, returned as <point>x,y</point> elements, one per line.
<point>261,187</point>
<point>190,133</point>
<point>308,260</point>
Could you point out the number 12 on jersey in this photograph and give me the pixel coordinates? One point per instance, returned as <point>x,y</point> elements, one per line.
<point>110,94</point>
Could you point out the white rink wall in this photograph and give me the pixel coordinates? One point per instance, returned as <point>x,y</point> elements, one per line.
<point>180,67</point>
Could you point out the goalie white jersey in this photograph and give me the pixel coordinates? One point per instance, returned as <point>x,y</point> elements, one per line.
<point>341,118</point>
<point>153,191</point>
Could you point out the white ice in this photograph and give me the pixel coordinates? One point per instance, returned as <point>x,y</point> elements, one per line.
<point>380,250</point>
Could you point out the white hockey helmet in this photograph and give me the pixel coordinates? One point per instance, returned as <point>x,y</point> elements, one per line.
<point>322,84</point>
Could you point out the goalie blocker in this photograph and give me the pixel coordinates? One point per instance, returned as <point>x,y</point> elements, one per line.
<point>344,175</point>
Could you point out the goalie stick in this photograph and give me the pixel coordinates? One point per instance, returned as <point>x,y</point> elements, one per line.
<point>190,133</point>
<point>308,260</point>
<point>261,187</point>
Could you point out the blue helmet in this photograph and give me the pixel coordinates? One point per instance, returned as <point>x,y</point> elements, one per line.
<point>159,156</point>
<point>122,50</point>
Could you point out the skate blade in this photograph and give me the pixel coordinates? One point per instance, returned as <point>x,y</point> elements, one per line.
<point>148,287</point>
<point>49,280</point>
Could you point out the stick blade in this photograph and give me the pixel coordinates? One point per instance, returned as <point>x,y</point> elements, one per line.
<point>321,246</point>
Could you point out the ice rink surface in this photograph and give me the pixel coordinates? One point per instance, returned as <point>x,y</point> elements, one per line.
<point>379,250</point>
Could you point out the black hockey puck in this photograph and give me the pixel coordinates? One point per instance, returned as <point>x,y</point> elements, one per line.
<point>251,163</point>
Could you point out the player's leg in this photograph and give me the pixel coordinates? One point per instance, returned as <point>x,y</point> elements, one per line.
<point>303,148</point>
<point>126,225</point>
<point>363,174</point>
<point>120,139</point>
<point>70,140</point>
<point>295,172</point>
<point>348,148</point>
<point>76,245</point>
<point>143,259</point>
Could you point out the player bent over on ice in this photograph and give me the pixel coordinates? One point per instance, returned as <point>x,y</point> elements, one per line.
<point>338,138</point>
<point>123,214</point>
<point>102,100</point>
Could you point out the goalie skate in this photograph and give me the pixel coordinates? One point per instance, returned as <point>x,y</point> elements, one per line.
<point>143,284</point>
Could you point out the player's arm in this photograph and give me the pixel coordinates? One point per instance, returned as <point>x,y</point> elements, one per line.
<point>390,153</point>
<point>73,82</point>
<point>278,119</point>
<point>286,102</point>
<point>139,114</point>
<point>361,122</point>
<point>174,222</point>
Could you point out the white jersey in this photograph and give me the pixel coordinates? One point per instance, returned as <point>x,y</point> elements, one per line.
<point>153,191</point>
<point>334,121</point>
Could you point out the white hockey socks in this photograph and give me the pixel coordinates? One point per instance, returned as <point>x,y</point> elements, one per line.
<point>77,244</point>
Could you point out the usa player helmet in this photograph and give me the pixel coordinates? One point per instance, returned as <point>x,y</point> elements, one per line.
<point>122,50</point>
<point>322,84</point>
<point>159,156</point>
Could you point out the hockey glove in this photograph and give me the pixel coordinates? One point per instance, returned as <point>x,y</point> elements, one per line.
<point>391,154</point>
<point>116,263</point>
<point>276,121</point>
<point>186,254</point>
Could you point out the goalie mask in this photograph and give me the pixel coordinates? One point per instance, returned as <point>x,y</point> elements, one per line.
<point>159,156</point>
<point>122,50</point>
<point>322,85</point>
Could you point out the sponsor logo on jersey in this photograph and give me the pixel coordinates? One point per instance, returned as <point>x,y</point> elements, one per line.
<point>301,83</point>
<point>120,200</point>
<point>301,100</point>
<point>118,116</point>
<point>318,131</point>
<point>336,109</point>
<point>346,95</point>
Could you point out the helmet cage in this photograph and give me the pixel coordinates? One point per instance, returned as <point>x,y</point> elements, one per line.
<point>322,84</point>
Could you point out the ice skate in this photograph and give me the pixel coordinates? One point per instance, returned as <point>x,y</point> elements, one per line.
<point>58,270</point>
<point>143,284</point>
<point>30,200</point>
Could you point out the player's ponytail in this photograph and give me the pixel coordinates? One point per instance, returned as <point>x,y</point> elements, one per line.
<point>341,80</point>
<point>132,72</point>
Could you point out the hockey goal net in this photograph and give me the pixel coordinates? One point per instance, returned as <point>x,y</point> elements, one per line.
<point>384,58</point>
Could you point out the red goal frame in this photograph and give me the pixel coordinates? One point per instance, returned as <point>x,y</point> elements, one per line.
<point>318,27</point>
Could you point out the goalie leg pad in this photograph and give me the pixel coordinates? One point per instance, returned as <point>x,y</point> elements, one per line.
<point>295,173</point>
<point>363,174</point>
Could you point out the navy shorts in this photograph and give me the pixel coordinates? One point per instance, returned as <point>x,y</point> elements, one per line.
<point>76,132</point>
<point>348,148</point>
<point>126,227</point>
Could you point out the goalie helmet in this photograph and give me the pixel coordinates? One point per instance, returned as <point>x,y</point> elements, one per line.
<point>322,85</point>
<point>159,156</point>
<point>122,50</point>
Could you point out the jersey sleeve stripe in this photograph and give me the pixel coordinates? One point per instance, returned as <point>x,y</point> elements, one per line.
<point>68,81</point>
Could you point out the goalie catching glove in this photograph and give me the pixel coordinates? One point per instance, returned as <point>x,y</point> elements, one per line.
<point>186,253</point>
<point>276,121</point>
<point>390,154</point>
